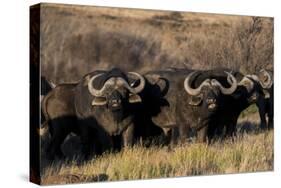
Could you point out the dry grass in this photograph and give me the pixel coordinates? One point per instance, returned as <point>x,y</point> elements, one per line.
<point>80,39</point>
<point>247,153</point>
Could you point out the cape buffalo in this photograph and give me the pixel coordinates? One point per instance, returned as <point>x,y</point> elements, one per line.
<point>99,108</point>
<point>59,110</point>
<point>265,101</point>
<point>249,91</point>
<point>184,99</point>
<point>109,102</point>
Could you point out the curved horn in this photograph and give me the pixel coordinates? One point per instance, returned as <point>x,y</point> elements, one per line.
<point>92,90</point>
<point>140,87</point>
<point>122,82</point>
<point>51,83</point>
<point>231,80</point>
<point>197,90</point>
<point>268,81</point>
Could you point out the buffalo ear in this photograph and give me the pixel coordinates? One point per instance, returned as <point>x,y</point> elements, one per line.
<point>195,100</point>
<point>86,80</point>
<point>266,94</point>
<point>152,79</point>
<point>134,98</point>
<point>99,101</point>
<point>161,82</point>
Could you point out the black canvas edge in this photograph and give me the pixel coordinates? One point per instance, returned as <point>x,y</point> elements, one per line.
<point>34,96</point>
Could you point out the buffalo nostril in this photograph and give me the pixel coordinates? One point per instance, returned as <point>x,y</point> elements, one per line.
<point>212,106</point>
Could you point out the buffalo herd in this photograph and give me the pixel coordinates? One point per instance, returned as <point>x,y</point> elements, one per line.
<point>113,109</point>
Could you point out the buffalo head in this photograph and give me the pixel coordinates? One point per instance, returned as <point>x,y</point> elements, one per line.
<point>115,91</point>
<point>256,85</point>
<point>264,78</point>
<point>208,93</point>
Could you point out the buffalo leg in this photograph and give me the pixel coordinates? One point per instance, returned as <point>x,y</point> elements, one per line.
<point>87,139</point>
<point>261,105</point>
<point>270,115</point>
<point>183,133</point>
<point>95,144</point>
<point>202,134</point>
<point>231,128</point>
<point>211,132</point>
<point>219,129</point>
<point>128,136</point>
<point>54,148</point>
<point>270,121</point>
<point>174,136</point>
<point>263,120</point>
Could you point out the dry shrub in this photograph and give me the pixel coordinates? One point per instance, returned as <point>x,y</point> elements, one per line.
<point>75,42</point>
<point>246,46</point>
<point>255,42</point>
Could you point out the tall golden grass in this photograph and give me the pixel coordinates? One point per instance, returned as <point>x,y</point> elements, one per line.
<point>246,153</point>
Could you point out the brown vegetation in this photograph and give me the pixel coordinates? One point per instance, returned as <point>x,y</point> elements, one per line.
<point>77,40</point>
